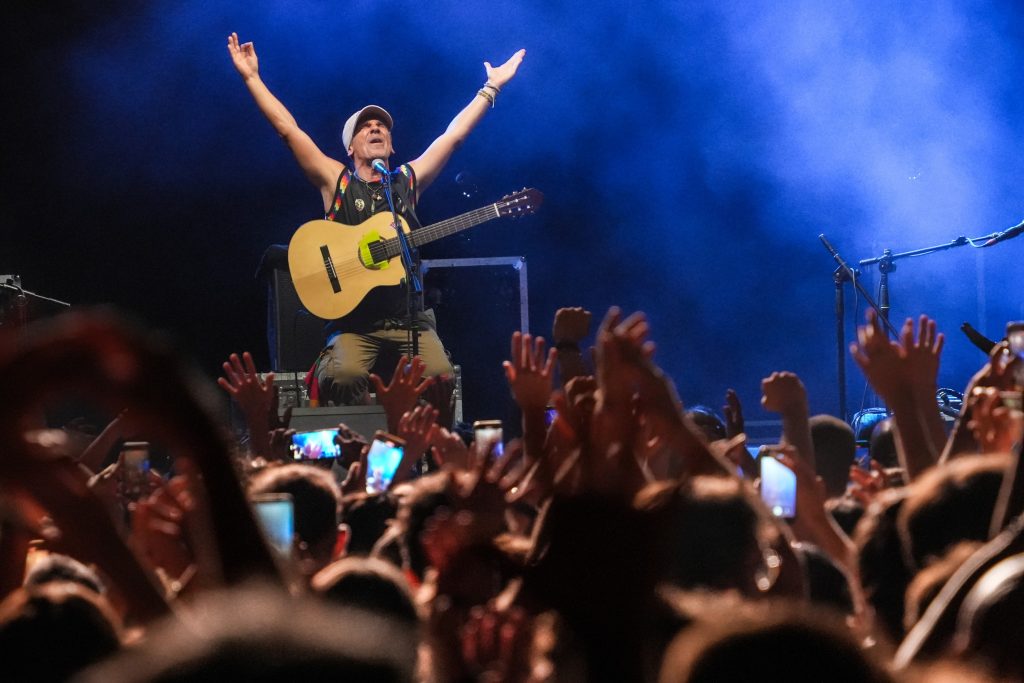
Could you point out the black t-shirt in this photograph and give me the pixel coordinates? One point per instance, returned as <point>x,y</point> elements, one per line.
<point>354,202</point>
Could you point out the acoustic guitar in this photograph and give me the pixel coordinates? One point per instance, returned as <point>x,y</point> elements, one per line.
<point>334,266</point>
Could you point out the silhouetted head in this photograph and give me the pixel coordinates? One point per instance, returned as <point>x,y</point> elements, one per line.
<point>990,624</point>
<point>316,500</point>
<point>264,635</point>
<point>367,583</point>
<point>52,630</point>
<point>780,645</point>
<point>834,452</point>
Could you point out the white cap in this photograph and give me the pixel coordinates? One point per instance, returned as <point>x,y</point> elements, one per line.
<point>369,111</point>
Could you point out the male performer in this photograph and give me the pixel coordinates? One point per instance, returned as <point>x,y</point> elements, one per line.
<point>379,324</point>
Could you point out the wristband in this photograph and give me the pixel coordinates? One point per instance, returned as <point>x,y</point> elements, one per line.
<point>567,346</point>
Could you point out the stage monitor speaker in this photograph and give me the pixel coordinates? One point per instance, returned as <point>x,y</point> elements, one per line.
<point>295,335</point>
<point>363,419</point>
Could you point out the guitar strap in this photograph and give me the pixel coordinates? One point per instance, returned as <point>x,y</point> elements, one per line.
<point>339,194</point>
<point>405,197</point>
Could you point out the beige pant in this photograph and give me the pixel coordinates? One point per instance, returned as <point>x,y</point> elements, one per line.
<point>344,367</point>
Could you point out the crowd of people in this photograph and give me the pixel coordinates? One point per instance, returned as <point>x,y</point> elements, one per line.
<point>625,539</point>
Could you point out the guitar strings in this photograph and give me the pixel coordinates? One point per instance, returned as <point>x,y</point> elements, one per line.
<point>352,266</point>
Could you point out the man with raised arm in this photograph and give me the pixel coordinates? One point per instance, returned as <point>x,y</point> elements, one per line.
<point>351,195</point>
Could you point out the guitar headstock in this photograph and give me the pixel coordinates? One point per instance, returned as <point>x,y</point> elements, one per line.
<point>521,203</point>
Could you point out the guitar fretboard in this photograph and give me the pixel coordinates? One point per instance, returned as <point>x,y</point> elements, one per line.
<point>389,248</point>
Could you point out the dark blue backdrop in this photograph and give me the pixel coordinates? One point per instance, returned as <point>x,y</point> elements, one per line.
<point>690,152</point>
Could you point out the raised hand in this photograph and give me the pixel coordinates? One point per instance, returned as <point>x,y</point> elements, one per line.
<point>496,644</point>
<point>613,421</point>
<point>910,365</point>
<point>280,445</point>
<point>242,382</point>
<point>256,397</point>
<point>351,444</point>
<point>355,482</point>
<point>571,325</point>
<point>477,514</point>
<point>244,57</point>
<point>878,358</point>
<point>498,76</point>
<point>121,367</point>
<point>441,395</point>
<point>158,528</point>
<point>996,426</point>
<point>529,372</point>
<point>734,450</point>
<point>783,392</point>
<point>416,427</point>
<point>400,395</point>
<point>866,486</point>
<point>450,451</point>
<point>733,412</point>
<point>998,372</point>
<point>921,355</point>
<point>904,375</point>
<point>812,522</point>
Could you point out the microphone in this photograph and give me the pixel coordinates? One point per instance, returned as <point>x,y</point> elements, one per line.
<point>380,167</point>
<point>1007,234</point>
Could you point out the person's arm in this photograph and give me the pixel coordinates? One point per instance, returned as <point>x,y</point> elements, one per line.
<point>570,327</point>
<point>255,397</point>
<point>320,169</point>
<point>96,452</point>
<point>429,164</point>
<point>14,546</point>
<point>401,394</point>
<point>813,523</point>
<point>415,428</point>
<point>784,393</point>
<point>904,375</point>
<point>529,376</point>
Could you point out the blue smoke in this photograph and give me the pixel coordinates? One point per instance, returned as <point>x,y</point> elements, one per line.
<point>690,154</point>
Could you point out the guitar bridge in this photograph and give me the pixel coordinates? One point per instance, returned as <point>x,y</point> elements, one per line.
<point>332,275</point>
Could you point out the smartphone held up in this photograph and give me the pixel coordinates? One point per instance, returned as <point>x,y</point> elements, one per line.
<point>488,434</point>
<point>276,514</point>
<point>778,485</point>
<point>315,445</point>
<point>382,461</point>
<point>136,466</point>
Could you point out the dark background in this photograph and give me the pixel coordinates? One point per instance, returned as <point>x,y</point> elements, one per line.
<point>690,154</point>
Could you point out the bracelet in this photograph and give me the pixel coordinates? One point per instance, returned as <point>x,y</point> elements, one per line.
<point>486,95</point>
<point>488,84</point>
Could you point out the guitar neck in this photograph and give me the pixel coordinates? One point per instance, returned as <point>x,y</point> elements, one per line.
<point>418,238</point>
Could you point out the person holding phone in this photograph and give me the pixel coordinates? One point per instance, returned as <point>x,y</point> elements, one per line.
<point>315,502</point>
<point>350,195</point>
<point>383,459</point>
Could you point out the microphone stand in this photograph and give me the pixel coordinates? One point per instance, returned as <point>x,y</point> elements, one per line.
<point>21,298</point>
<point>414,286</point>
<point>842,273</point>
<point>886,264</point>
<point>20,291</point>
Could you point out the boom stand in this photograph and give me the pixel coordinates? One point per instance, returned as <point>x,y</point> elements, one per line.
<point>413,284</point>
<point>843,273</point>
<point>886,265</point>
